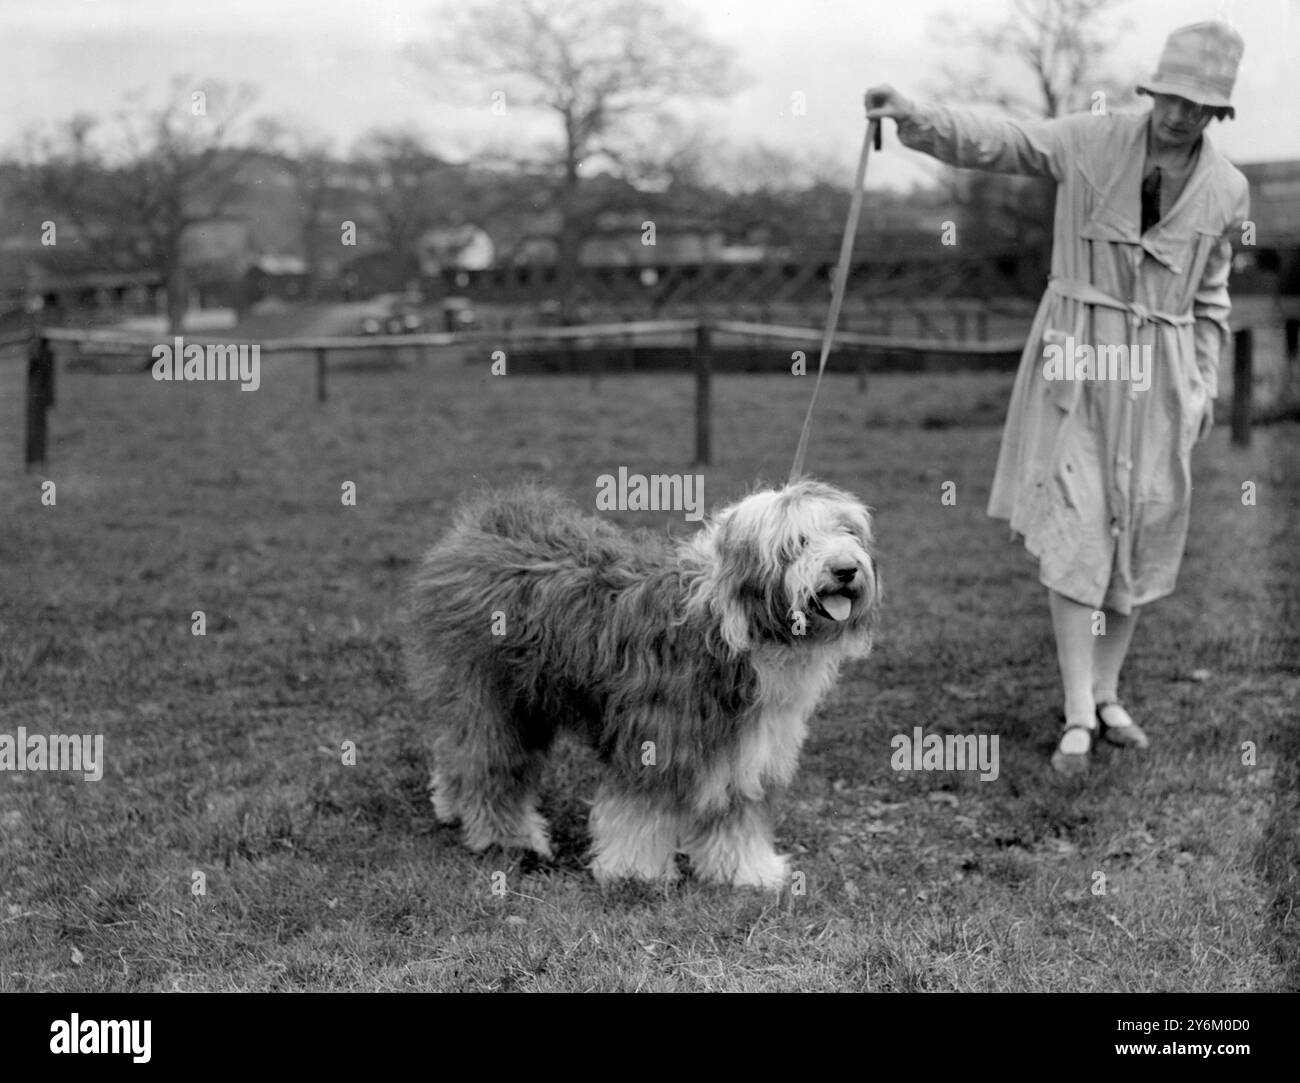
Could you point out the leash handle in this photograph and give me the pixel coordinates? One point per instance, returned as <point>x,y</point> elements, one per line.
<point>871,137</point>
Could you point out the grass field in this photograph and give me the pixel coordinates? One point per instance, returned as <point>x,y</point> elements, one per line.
<point>223,751</point>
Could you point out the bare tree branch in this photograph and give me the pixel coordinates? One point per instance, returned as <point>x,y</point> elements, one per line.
<point>595,65</point>
<point>131,194</point>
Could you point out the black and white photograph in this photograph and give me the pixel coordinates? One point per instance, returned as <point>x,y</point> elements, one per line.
<point>666,496</point>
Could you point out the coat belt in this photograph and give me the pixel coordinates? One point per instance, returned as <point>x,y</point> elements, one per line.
<point>1089,294</point>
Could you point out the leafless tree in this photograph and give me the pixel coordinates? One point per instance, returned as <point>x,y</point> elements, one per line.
<point>313,168</point>
<point>181,169</point>
<point>597,66</point>
<point>1061,48</point>
<point>132,192</point>
<point>405,178</point>
<point>1044,58</point>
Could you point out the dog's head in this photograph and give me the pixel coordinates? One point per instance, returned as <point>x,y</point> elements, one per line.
<point>790,566</point>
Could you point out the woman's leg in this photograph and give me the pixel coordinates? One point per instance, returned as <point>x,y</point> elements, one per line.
<point>1107,661</point>
<point>1108,655</point>
<point>1072,624</point>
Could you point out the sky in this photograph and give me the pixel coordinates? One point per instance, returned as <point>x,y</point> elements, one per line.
<point>336,67</point>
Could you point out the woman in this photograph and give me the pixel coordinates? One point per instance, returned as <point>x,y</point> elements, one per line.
<point>1094,468</point>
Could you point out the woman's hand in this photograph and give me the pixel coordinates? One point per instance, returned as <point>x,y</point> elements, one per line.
<point>885,101</point>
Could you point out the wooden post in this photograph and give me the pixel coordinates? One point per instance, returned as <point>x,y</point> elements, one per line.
<point>40,394</point>
<point>703,391</point>
<point>52,377</point>
<point>321,391</point>
<point>1242,377</point>
<point>1292,351</point>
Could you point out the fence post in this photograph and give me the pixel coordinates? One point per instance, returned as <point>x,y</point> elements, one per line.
<point>1290,374</point>
<point>1241,387</point>
<point>52,377</point>
<point>703,389</point>
<point>40,396</point>
<point>321,392</point>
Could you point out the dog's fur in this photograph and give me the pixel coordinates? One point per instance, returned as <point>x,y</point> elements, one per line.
<point>692,668</point>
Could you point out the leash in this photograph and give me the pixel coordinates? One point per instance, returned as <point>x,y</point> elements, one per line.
<point>871,138</point>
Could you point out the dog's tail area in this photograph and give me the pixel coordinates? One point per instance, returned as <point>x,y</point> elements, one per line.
<point>469,611</point>
<point>509,554</point>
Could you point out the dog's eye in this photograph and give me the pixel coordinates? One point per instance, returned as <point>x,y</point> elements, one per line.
<point>803,541</point>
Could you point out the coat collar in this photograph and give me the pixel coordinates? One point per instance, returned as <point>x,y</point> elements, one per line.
<point>1117,214</point>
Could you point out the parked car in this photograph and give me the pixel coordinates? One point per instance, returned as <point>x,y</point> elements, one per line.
<point>458,314</point>
<point>403,318</point>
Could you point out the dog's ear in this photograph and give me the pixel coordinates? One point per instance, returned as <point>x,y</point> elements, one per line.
<point>720,590</point>
<point>736,585</point>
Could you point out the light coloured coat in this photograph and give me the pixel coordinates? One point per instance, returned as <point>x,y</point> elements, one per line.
<point>1096,473</point>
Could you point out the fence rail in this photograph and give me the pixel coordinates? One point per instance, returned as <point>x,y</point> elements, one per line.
<point>41,360</point>
<point>856,338</point>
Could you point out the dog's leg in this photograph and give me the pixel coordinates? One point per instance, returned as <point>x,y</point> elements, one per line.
<point>736,848</point>
<point>632,837</point>
<point>487,779</point>
<point>440,791</point>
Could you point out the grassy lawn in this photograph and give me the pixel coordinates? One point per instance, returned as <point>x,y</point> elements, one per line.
<point>223,751</point>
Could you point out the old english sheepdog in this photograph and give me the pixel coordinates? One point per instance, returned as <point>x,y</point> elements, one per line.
<point>691,667</point>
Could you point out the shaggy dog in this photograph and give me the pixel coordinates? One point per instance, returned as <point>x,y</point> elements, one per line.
<point>691,667</point>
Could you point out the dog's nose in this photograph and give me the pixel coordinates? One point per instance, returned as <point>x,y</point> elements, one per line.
<point>845,575</point>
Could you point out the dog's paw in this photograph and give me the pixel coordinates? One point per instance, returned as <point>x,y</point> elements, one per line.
<point>538,838</point>
<point>443,807</point>
<point>608,873</point>
<point>768,872</point>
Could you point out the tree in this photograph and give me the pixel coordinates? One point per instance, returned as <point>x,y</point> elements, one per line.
<point>131,198</point>
<point>312,167</point>
<point>596,66</point>
<point>1061,48</point>
<point>407,195</point>
<point>308,159</point>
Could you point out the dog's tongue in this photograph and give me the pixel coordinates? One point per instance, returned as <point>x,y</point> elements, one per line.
<point>836,605</point>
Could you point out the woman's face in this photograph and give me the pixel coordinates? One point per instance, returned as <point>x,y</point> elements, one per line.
<point>1176,123</point>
